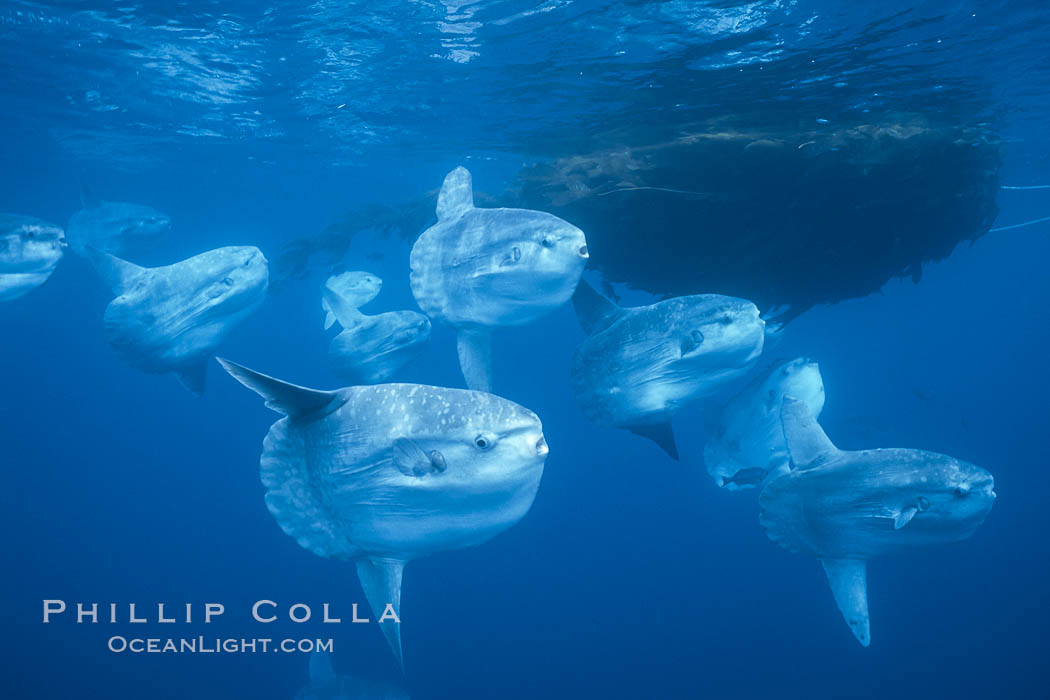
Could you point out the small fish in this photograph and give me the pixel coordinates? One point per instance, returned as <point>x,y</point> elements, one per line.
<point>30,249</point>
<point>746,478</point>
<point>848,507</point>
<point>172,318</point>
<point>638,366</point>
<point>478,269</point>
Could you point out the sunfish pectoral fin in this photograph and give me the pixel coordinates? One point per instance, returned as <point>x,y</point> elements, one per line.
<point>456,196</point>
<point>329,319</point>
<point>291,400</point>
<point>475,358</point>
<point>381,582</point>
<point>849,585</point>
<point>660,433</point>
<point>904,517</point>
<point>594,312</point>
<point>411,460</point>
<point>807,443</point>
<point>119,275</point>
<point>194,377</point>
<point>343,312</point>
<point>321,670</point>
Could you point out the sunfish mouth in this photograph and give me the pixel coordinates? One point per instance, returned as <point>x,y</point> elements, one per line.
<point>541,447</point>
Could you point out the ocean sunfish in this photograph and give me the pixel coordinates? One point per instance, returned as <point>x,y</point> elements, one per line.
<point>326,685</point>
<point>29,252</point>
<point>120,228</point>
<point>356,288</point>
<point>172,318</point>
<point>370,349</point>
<point>477,269</point>
<point>383,474</point>
<point>848,507</point>
<point>639,365</point>
<point>745,445</point>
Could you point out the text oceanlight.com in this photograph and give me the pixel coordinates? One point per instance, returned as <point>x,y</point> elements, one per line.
<point>202,645</point>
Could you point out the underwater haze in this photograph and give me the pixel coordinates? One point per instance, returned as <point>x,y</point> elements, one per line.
<point>887,163</point>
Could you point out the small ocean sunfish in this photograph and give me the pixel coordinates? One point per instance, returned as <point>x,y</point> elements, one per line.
<point>745,444</point>
<point>370,349</point>
<point>356,289</point>
<point>477,269</point>
<point>120,228</point>
<point>848,507</point>
<point>639,365</point>
<point>30,249</point>
<point>172,318</point>
<point>384,474</point>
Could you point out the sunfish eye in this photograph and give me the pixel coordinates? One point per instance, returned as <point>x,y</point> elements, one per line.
<point>547,242</point>
<point>228,281</point>
<point>482,442</point>
<point>726,320</point>
<point>697,337</point>
<point>924,503</point>
<point>959,491</point>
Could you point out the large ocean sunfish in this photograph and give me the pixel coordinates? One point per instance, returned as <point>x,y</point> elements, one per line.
<point>745,445</point>
<point>172,318</point>
<point>848,507</point>
<point>477,269</point>
<point>120,228</point>
<point>383,474</point>
<point>29,252</point>
<point>370,349</point>
<point>639,365</point>
<point>325,684</point>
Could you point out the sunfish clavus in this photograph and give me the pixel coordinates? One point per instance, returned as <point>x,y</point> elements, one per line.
<point>478,269</point>
<point>172,318</point>
<point>383,474</point>
<point>325,684</point>
<point>848,507</point>
<point>639,365</point>
<point>745,445</point>
<point>30,249</point>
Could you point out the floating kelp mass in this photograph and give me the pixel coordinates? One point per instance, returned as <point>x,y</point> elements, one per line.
<point>851,208</point>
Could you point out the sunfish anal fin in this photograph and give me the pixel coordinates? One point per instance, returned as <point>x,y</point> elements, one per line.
<point>660,433</point>
<point>338,308</point>
<point>381,582</point>
<point>291,400</point>
<point>194,377</point>
<point>849,586</point>
<point>119,275</point>
<point>807,443</point>
<point>321,670</point>
<point>475,358</point>
<point>456,197</point>
<point>594,312</point>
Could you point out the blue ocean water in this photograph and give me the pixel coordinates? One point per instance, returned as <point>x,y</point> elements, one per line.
<point>632,576</point>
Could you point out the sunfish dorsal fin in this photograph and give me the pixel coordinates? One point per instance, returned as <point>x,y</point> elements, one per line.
<point>594,312</point>
<point>119,275</point>
<point>289,399</point>
<point>381,582</point>
<point>660,433</point>
<point>345,313</point>
<point>849,586</point>
<point>807,443</point>
<point>475,358</point>
<point>321,670</point>
<point>456,196</point>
